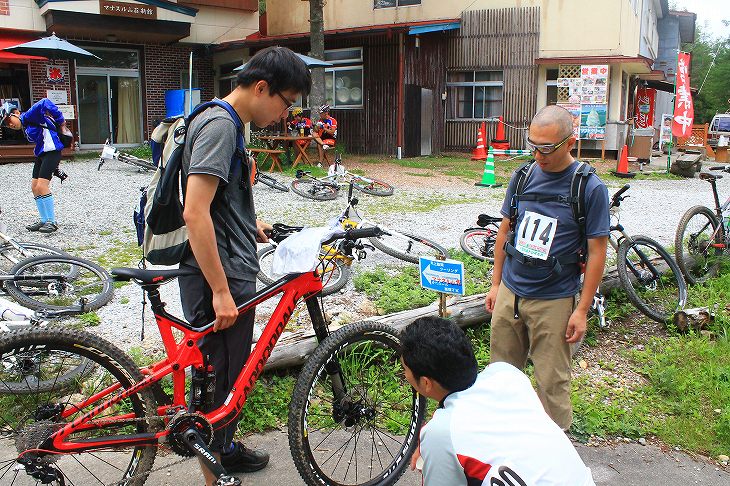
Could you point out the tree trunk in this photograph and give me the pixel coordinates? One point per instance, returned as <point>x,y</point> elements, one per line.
<point>316,39</point>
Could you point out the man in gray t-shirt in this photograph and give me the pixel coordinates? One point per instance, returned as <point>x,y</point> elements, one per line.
<point>532,300</point>
<point>223,229</point>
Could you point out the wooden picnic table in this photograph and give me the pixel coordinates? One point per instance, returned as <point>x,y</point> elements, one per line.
<point>275,141</point>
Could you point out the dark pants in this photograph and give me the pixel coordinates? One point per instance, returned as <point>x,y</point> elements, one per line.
<point>45,164</point>
<point>226,350</point>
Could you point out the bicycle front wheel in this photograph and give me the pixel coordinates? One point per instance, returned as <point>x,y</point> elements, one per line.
<point>59,282</point>
<point>406,246</point>
<point>314,189</point>
<point>651,278</point>
<point>335,273</point>
<point>372,186</point>
<point>30,417</point>
<point>479,243</point>
<point>697,233</point>
<point>271,181</point>
<point>353,418</point>
<point>10,255</point>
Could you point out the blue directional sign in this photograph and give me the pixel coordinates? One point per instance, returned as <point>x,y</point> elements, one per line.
<point>445,276</point>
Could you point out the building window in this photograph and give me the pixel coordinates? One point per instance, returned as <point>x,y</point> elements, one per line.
<point>344,81</point>
<point>551,85</point>
<point>474,94</point>
<point>394,3</point>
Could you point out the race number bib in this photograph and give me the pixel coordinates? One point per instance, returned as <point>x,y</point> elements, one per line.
<point>535,235</point>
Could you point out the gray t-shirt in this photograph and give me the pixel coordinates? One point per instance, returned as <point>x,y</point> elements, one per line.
<point>540,282</point>
<point>209,148</point>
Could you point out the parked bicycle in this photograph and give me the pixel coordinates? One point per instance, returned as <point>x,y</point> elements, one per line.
<point>350,400</point>
<point>651,278</point>
<point>703,235</point>
<point>13,251</point>
<point>479,241</point>
<point>327,188</point>
<point>57,282</point>
<point>110,152</point>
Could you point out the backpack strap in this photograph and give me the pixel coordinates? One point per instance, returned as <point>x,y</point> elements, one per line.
<point>521,179</point>
<point>578,196</point>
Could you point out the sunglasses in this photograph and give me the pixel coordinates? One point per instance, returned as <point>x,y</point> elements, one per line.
<point>287,103</point>
<point>546,148</point>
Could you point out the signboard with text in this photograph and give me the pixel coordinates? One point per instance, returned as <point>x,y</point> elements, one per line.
<point>68,111</point>
<point>684,111</point>
<point>57,96</point>
<point>123,9</point>
<point>445,276</point>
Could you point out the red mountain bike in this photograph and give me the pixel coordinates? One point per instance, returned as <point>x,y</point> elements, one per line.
<point>353,419</point>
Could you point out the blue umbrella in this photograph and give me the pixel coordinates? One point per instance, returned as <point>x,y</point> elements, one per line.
<point>309,61</point>
<point>51,47</point>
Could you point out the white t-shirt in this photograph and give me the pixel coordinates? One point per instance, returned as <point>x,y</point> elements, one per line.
<point>496,433</point>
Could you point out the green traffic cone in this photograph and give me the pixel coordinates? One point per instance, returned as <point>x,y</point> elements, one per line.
<point>488,179</point>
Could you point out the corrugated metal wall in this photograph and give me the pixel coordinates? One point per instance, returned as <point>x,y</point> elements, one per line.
<point>503,39</point>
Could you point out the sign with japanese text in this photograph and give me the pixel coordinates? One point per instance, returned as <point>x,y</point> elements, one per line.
<point>592,94</point>
<point>68,111</point>
<point>123,9</point>
<point>57,96</point>
<point>574,109</point>
<point>55,74</point>
<point>644,114</point>
<point>445,276</point>
<point>684,111</point>
<point>665,132</point>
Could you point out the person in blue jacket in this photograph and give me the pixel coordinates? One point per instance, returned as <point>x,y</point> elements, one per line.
<point>43,123</point>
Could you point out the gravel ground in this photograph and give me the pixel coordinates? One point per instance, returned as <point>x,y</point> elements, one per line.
<point>94,210</point>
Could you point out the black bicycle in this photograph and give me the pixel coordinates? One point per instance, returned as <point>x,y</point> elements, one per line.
<point>479,241</point>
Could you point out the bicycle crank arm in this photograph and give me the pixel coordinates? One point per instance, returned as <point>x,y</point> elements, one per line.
<point>196,444</point>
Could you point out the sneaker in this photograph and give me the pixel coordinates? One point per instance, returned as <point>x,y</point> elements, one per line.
<point>243,460</point>
<point>35,226</point>
<point>48,227</point>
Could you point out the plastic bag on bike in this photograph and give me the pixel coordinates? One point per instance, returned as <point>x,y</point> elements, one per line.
<point>299,253</point>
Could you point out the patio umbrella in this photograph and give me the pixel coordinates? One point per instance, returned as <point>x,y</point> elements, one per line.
<point>51,47</point>
<point>309,61</point>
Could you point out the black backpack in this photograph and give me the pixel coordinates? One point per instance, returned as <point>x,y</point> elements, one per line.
<point>577,202</point>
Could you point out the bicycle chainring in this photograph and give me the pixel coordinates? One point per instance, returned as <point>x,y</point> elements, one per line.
<point>181,423</point>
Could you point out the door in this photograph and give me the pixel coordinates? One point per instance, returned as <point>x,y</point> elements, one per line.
<point>412,122</point>
<point>93,97</point>
<point>426,120</point>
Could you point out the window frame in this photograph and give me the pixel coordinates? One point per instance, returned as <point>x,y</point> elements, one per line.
<point>346,65</point>
<point>398,5</point>
<point>474,85</point>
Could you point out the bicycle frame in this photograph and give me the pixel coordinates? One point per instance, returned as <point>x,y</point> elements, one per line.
<point>184,353</point>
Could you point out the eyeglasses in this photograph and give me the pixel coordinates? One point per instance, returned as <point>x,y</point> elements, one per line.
<point>287,103</point>
<point>546,148</point>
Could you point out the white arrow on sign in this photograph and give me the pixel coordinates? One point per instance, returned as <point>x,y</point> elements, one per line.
<point>432,275</point>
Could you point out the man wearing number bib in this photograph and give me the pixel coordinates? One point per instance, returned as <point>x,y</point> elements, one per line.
<point>540,251</point>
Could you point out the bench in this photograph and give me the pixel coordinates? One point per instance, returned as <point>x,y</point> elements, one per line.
<point>273,154</point>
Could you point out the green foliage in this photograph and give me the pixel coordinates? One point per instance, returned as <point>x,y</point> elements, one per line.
<point>143,151</point>
<point>713,97</point>
<point>90,319</point>
<point>267,406</point>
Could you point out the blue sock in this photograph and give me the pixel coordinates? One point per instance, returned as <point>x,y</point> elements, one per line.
<point>229,448</point>
<point>41,207</point>
<point>50,210</point>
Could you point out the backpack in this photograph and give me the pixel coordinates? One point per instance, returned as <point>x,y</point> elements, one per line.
<point>577,202</point>
<point>159,222</point>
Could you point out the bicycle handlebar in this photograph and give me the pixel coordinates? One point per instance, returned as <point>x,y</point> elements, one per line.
<point>726,168</point>
<point>75,310</point>
<point>617,198</point>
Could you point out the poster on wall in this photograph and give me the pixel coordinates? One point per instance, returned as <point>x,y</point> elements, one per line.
<point>665,131</point>
<point>593,121</point>
<point>57,96</point>
<point>55,74</point>
<point>575,111</point>
<point>644,113</point>
<point>68,111</point>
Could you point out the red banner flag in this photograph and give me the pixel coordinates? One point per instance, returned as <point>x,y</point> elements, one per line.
<point>684,111</point>
<point>645,100</point>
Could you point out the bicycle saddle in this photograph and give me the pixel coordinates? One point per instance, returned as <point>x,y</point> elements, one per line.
<point>485,220</point>
<point>709,177</point>
<point>147,277</point>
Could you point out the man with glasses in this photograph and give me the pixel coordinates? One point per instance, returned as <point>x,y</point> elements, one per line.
<point>540,252</point>
<point>223,229</point>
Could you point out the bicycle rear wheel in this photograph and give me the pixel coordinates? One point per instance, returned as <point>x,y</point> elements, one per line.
<point>696,256</point>
<point>314,189</point>
<point>271,181</point>
<point>479,243</point>
<point>378,410</point>
<point>372,186</point>
<point>10,256</point>
<point>28,419</point>
<point>651,278</point>
<point>59,282</point>
<point>335,273</point>
<point>406,246</point>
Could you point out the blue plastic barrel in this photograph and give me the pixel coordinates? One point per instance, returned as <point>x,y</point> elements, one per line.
<point>175,101</point>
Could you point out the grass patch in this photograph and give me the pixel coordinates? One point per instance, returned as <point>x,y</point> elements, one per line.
<point>121,254</point>
<point>412,204</point>
<point>267,406</point>
<point>419,174</point>
<point>124,300</point>
<point>89,319</point>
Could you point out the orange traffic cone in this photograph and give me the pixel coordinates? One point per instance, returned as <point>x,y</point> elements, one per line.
<point>500,142</point>
<point>479,152</point>
<point>622,165</point>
